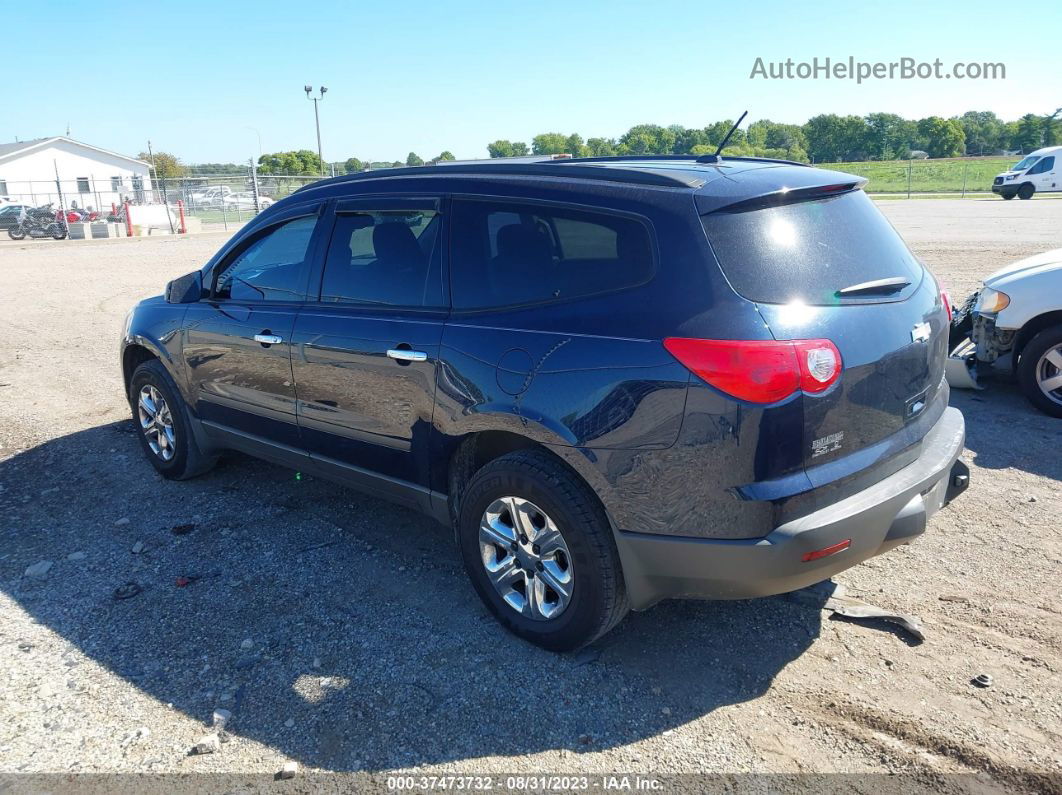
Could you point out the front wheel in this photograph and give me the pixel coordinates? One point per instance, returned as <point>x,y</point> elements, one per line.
<point>1007,196</point>
<point>163,425</point>
<point>1026,191</point>
<point>539,551</point>
<point>1040,371</point>
<point>16,232</point>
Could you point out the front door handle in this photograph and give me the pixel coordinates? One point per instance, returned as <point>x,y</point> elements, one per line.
<point>407,355</point>
<point>268,339</point>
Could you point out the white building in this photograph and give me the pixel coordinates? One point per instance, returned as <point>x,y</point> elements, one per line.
<point>87,175</point>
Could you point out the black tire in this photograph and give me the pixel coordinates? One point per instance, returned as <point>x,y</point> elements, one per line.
<point>1007,196</point>
<point>58,232</point>
<point>1026,191</point>
<point>599,597</point>
<point>1028,364</point>
<point>188,459</point>
<point>16,232</point>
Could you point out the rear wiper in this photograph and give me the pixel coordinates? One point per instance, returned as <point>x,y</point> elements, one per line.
<point>876,287</point>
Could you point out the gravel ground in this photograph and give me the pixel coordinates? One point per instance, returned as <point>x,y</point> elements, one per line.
<point>341,633</point>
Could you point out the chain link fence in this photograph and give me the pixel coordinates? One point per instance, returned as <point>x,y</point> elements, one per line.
<point>959,176</point>
<point>195,202</point>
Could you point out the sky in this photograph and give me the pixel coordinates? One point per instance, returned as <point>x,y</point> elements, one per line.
<point>222,80</point>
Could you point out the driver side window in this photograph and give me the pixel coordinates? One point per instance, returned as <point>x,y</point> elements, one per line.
<point>272,268</point>
<point>1046,164</point>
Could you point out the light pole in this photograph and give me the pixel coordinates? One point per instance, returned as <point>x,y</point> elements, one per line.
<point>317,119</point>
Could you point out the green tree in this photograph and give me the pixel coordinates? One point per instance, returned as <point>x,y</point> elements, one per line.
<point>167,166</point>
<point>549,144</point>
<point>716,132</point>
<point>942,137</point>
<point>985,132</point>
<point>445,155</point>
<point>1009,138</point>
<point>413,159</point>
<point>1030,133</point>
<point>649,139</point>
<point>1052,133</point>
<point>832,138</point>
<point>500,148</point>
<point>575,147</point>
<point>353,165</point>
<point>756,134</point>
<point>888,136</point>
<point>686,138</point>
<point>788,137</point>
<point>600,147</point>
<point>302,161</point>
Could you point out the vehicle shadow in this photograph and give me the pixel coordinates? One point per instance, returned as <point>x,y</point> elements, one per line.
<point>1005,431</point>
<point>337,629</point>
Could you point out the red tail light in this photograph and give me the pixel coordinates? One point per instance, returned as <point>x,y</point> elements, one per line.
<point>760,371</point>
<point>947,302</point>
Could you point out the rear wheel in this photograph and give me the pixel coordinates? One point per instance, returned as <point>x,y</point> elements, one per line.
<point>1026,191</point>
<point>1040,371</point>
<point>162,424</point>
<point>539,551</point>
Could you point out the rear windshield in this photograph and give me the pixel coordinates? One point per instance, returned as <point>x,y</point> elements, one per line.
<point>809,250</point>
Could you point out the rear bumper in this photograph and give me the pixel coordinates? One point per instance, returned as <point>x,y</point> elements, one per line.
<point>891,512</point>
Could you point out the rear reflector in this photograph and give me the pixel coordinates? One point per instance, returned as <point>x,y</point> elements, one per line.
<point>827,551</point>
<point>947,302</point>
<point>760,371</point>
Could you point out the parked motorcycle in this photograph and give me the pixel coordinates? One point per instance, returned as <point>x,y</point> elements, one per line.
<point>76,215</point>
<point>38,222</point>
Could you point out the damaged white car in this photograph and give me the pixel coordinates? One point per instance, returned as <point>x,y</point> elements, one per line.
<point>1014,322</point>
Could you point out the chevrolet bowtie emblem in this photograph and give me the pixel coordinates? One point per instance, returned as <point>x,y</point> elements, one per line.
<point>921,332</point>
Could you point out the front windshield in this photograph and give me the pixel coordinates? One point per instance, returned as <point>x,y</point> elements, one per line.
<point>1025,163</point>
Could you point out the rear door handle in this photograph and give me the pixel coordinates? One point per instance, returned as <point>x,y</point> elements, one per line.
<point>268,339</point>
<point>407,356</point>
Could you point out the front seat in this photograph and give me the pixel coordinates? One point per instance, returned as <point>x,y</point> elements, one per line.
<point>399,269</point>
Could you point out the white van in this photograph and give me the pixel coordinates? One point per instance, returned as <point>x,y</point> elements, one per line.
<point>1038,172</point>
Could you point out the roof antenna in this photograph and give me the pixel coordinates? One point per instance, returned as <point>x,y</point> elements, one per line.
<point>717,157</point>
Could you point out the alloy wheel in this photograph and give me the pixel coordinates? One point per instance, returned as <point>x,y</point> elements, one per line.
<point>1049,374</point>
<point>526,558</point>
<point>156,422</point>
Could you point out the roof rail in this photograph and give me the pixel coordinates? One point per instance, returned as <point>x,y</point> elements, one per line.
<point>679,158</point>
<point>551,168</point>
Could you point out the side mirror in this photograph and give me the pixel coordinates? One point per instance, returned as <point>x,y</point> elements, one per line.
<point>185,290</point>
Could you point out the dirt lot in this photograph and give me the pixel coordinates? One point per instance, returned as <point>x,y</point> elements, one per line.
<point>342,634</point>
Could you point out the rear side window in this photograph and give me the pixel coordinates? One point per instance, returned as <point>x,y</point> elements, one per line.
<point>273,267</point>
<point>807,251</point>
<point>510,253</point>
<point>385,257</point>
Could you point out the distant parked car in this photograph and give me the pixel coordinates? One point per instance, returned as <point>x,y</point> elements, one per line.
<point>245,201</point>
<point>212,196</point>
<point>9,214</point>
<point>1014,322</point>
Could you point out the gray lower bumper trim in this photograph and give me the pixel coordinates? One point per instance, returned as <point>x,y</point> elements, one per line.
<point>890,512</point>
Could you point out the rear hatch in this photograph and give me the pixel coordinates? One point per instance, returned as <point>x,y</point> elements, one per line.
<point>823,263</point>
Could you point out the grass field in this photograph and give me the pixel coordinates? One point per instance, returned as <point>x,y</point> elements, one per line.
<point>928,176</point>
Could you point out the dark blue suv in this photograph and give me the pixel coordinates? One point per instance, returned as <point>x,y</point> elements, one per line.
<point>620,380</point>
